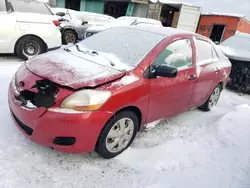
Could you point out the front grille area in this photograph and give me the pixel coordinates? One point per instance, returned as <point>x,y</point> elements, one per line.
<point>27,129</point>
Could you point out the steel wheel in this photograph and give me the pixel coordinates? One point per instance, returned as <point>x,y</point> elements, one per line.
<point>214,98</point>
<point>31,49</point>
<point>70,37</point>
<point>120,135</point>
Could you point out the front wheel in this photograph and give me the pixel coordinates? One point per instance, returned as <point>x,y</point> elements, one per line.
<point>212,100</point>
<point>117,135</point>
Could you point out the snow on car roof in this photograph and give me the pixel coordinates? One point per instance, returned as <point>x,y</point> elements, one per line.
<point>167,31</point>
<point>224,14</point>
<point>237,47</point>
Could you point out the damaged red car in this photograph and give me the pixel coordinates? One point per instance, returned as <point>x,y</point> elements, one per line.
<point>97,94</point>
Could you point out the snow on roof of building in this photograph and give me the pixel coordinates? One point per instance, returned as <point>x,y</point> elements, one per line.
<point>224,14</point>
<point>173,2</point>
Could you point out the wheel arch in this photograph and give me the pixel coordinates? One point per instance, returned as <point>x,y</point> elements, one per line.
<point>134,109</point>
<point>70,29</point>
<point>31,35</point>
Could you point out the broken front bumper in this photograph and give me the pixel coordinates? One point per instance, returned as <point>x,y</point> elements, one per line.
<point>48,128</point>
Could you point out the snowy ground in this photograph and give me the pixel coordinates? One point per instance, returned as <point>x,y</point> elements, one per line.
<point>193,150</point>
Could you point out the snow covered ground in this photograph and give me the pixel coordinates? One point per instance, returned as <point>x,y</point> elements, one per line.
<point>193,150</point>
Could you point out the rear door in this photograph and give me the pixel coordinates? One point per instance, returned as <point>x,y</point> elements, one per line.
<point>207,68</point>
<point>169,96</point>
<point>189,18</point>
<point>7,28</point>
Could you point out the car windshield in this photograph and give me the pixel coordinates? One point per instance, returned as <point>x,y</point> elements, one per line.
<point>239,41</point>
<point>127,45</point>
<point>30,6</point>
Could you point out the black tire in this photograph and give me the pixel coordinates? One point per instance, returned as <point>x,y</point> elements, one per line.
<point>101,147</point>
<point>69,36</point>
<point>207,107</point>
<point>21,48</point>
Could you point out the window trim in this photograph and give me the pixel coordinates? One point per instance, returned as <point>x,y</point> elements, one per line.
<point>207,61</point>
<point>177,39</point>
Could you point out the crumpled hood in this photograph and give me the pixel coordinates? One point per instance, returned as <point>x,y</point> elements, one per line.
<point>72,69</point>
<point>235,53</point>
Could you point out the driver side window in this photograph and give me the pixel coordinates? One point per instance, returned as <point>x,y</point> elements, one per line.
<point>177,54</point>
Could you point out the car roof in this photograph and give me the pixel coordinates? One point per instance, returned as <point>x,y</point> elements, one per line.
<point>166,31</point>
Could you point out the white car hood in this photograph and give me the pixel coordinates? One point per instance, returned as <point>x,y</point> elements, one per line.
<point>115,23</point>
<point>237,54</point>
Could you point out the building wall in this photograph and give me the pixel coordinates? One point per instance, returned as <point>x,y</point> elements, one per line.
<point>244,26</point>
<point>94,6</point>
<point>140,10</point>
<point>60,3</point>
<point>207,21</point>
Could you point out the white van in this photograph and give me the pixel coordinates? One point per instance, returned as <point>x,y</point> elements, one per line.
<point>27,28</point>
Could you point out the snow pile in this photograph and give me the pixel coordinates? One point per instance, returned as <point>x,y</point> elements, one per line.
<point>224,14</point>
<point>174,2</point>
<point>234,127</point>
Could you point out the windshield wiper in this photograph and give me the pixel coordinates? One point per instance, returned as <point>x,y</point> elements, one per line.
<point>94,53</point>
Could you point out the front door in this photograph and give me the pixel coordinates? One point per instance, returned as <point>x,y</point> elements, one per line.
<point>7,28</point>
<point>169,96</point>
<point>207,72</point>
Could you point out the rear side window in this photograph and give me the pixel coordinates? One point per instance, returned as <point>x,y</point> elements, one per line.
<point>2,6</point>
<point>30,6</point>
<point>205,52</point>
<point>177,54</point>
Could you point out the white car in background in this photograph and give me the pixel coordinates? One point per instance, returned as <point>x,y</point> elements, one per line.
<point>28,28</point>
<point>122,21</point>
<point>74,23</point>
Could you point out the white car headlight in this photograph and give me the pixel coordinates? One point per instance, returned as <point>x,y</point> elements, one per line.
<point>86,100</point>
<point>89,34</point>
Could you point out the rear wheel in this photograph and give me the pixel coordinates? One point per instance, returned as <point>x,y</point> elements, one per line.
<point>117,135</point>
<point>69,36</point>
<point>213,99</point>
<point>29,46</point>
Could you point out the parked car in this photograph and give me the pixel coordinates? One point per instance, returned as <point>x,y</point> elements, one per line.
<point>237,49</point>
<point>74,23</point>
<point>28,28</point>
<point>121,21</point>
<point>97,95</point>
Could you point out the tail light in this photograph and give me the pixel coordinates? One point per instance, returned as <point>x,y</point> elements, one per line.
<point>56,23</point>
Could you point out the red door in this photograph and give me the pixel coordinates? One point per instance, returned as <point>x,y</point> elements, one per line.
<point>169,96</point>
<point>207,72</point>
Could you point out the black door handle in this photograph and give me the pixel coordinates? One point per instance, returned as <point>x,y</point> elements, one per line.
<point>217,70</point>
<point>192,77</point>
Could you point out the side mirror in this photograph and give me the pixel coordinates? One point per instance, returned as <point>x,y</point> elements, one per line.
<point>217,42</point>
<point>84,22</point>
<point>60,14</point>
<point>166,71</point>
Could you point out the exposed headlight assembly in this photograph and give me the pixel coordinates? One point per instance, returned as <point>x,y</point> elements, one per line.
<point>86,100</point>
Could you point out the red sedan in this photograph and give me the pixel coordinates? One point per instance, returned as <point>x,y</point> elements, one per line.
<point>97,94</point>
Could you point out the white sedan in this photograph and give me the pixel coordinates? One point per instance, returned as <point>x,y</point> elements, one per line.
<point>28,28</point>
<point>74,23</point>
<point>122,21</point>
